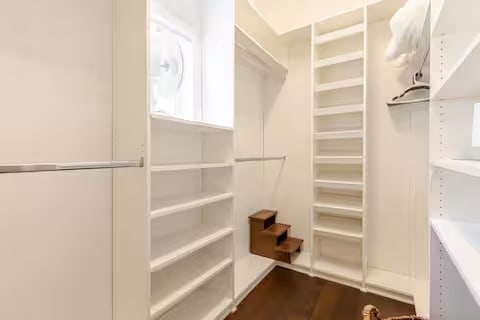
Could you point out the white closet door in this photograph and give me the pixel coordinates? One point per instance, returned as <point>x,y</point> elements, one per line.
<point>56,106</point>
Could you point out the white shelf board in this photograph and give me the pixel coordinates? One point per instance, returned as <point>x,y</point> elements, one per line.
<point>462,244</point>
<point>454,17</point>
<point>342,84</point>
<point>466,167</point>
<point>328,111</point>
<point>169,249</point>
<point>338,160</point>
<point>190,166</point>
<point>348,57</point>
<point>247,43</point>
<point>177,124</point>
<point>463,80</point>
<point>339,34</point>
<point>337,269</point>
<point>203,304</point>
<point>339,210</point>
<point>336,135</point>
<point>166,206</point>
<point>338,232</point>
<point>194,276</point>
<point>338,184</point>
<point>390,281</point>
<point>248,270</point>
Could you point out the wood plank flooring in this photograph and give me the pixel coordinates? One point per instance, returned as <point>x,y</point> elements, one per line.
<point>289,295</point>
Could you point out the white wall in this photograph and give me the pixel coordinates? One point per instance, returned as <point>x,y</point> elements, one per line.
<point>218,61</point>
<point>56,105</point>
<point>248,180</point>
<point>397,168</point>
<point>288,133</point>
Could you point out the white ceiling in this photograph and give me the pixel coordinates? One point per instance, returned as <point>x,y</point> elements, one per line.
<point>284,16</point>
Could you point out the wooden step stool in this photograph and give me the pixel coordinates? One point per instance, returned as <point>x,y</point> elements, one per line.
<point>270,239</point>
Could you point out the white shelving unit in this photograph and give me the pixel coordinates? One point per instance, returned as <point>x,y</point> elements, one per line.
<point>338,62</point>
<point>173,221</point>
<point>454,221</point>
<point>450,17</point>
<point>339,111</point>
<point>183,281</point>
<point>461,241</point>
<point>465,70</point>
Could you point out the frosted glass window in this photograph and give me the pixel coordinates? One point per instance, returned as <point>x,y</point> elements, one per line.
<point>171,72</point>
<point>476,125</point>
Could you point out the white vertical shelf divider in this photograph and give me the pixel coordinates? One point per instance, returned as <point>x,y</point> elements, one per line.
<point>364,171</point>
<point>335,112</point>
<point>173,219</point>
<point>312,142</point>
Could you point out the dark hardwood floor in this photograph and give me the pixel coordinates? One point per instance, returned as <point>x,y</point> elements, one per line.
<point>289,295</point>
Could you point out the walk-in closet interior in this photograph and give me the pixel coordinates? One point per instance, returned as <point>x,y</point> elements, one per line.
<point>162,158</point>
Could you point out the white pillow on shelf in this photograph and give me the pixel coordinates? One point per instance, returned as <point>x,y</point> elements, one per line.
<point>406,26</point>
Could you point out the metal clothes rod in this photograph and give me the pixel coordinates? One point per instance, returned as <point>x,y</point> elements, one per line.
<point>260,159</point>
<point>46,167</point>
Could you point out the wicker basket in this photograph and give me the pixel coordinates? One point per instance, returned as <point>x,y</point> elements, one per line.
<point>372,313</point>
